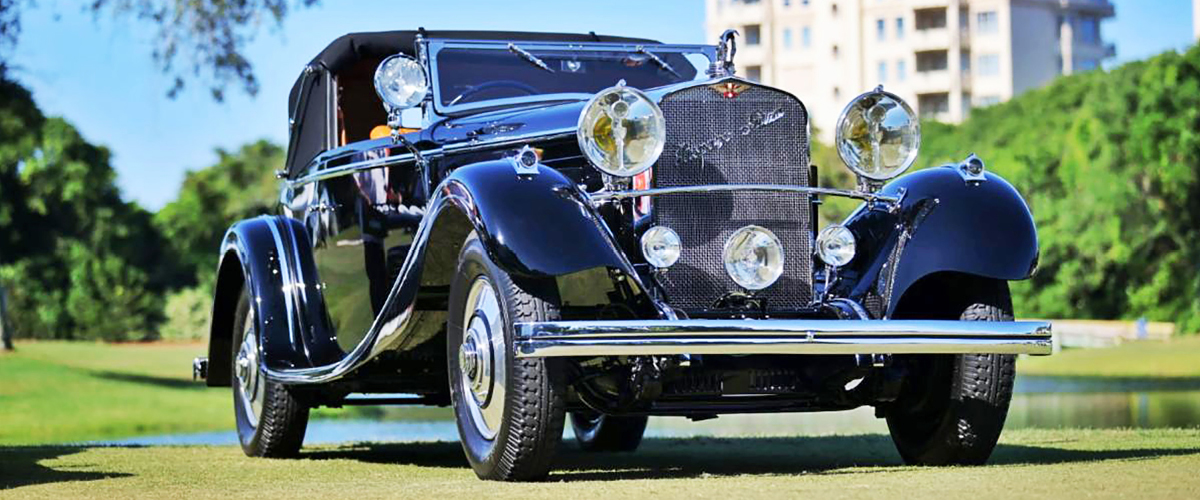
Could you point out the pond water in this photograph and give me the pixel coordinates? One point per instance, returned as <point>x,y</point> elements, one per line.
<point>1039,402</point>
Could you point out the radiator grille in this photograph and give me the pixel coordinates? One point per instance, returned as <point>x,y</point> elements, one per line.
<point>758,137</point>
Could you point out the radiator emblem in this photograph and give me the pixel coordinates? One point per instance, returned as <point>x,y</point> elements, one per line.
<point>688,153</point>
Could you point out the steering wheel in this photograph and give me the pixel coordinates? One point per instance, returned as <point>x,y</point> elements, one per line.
<point>495,84</point>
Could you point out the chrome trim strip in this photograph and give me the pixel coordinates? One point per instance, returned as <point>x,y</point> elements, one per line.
<point>600,197</point>
<point>462,147</point>
<point>661,337</point>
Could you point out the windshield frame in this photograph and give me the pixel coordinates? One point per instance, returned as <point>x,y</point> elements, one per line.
<point>429,52</point>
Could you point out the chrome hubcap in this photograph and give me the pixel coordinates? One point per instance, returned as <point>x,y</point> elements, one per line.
<point>481,358</point>
<point>249,378</point>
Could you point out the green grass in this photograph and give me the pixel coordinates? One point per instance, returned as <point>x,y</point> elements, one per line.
<point>1034,463</point>
<point>61,391</point>
<point>1178,358</point>
<point>56,392</point>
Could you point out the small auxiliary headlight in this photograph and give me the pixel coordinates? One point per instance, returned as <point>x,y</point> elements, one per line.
<point>753,257</point>
<point>836,245</point>
<point>661,246</point>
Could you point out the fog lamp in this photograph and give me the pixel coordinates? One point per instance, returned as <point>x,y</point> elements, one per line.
<point>661,246</point>
<point>753,257</point>
<point>836,245</point>
<point>622,131</point>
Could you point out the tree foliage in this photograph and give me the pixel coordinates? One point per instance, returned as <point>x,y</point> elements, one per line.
<point>239,186</point>
<point>1109,164</point>
<point>78,261</point>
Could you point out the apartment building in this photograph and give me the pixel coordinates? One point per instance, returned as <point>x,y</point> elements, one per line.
<point>942,56</point>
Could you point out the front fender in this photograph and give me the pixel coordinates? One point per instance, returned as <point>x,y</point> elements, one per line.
<point>945,223</point>
<point>271,257</point>
<point>531,225</point>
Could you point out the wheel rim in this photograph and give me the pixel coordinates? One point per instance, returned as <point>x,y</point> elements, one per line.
<point>481,358</point>
<point>246,369</point>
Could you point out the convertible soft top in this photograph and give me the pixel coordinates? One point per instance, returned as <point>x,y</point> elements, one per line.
<point>313,127</point>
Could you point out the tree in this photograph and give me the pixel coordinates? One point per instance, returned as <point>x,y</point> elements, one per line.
<point>77,260</point>
<point>202,40</point>
<point>239,186</point>
<point>1109,163</point>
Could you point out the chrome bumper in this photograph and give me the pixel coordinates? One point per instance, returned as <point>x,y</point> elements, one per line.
<point>780,336</point>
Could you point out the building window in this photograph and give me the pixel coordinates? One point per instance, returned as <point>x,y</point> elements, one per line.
<point>837,93</point>
<point>987,22</point>
<point>787,38</point>
<point>787,3</point>
<point>987,100</point>
<point>1087,29</point>
<point>754,73</point>
<point>933,60</point>
<point>880,30</point>
<point>901,70</point>
<point>882,71</point>
<point>835,51</point>
<point>930,19</point>
<point>834,8</point>
<point>964,60</point>
<point>933,105</point>
<point>899,28</point>
<point>752,34</point>
<point>988,65</point>
<point>804,3</point>
<point>806,37</point>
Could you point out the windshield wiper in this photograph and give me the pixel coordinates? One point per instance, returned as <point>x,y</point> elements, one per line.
<point>524,54</point>
<point>658,60</point>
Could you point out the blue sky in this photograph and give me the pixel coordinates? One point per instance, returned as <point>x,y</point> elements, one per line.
<point>98,73</point>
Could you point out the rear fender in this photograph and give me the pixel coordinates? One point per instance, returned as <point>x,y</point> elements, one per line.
<point>270,256</point>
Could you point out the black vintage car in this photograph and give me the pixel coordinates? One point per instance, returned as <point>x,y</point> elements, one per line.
<point>531,225</point>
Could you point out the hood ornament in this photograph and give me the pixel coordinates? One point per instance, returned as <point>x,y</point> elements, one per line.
<point>726,48</point>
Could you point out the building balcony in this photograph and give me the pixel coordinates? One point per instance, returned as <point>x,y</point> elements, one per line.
<point>938,38</point>
<point>1100,8</point>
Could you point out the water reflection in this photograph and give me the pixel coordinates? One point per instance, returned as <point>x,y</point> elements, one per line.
<point>1039,402</point>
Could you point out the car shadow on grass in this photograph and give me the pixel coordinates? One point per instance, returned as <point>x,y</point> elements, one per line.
<point>22,466</point>
<point>676,458</point>
<point>163,382</point>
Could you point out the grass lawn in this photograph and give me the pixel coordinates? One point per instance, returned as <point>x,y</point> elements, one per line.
<point>1178,358</point>
<point>77,391</point>
<point>1031,463</point>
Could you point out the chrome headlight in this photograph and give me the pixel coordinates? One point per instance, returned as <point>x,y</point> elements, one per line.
<point>836,245</point>
<point>400,82</point>
<point>622,131</point>
<point>661,246</point>
<point>753,257</point>
<point>878,135</point>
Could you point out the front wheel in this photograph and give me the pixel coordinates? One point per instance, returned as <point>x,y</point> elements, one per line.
<point>509,410</point>
<point>953,407</point>
<point>270,421</point>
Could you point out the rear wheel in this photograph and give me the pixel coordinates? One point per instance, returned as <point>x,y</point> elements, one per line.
<point>952,408</point>
<point>509,410</point>
<point>270,421</point>
<point>599,432</point>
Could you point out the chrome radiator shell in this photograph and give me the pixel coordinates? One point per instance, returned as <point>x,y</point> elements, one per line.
<point>758,136</point>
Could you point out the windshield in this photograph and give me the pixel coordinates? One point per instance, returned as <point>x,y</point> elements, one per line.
<point>466,75</point>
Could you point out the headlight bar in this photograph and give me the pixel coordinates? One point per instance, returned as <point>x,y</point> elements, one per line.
<point>605,196</point>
